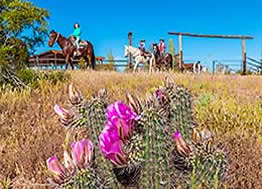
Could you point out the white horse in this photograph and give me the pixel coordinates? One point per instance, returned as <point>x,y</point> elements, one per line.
<point>135,52</point>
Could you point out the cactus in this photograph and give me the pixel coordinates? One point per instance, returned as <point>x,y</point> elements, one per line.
<point>89,114</point>
<point>180,108</point>
<point>134,145</point>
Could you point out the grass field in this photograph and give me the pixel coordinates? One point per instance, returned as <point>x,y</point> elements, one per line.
<point>230,106</point>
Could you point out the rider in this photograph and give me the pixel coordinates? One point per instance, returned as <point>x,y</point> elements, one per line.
<point>162,47</point>
<point>77,34</point>
<point>156,50</point>
<point>142,46</point>
<point>156,53</point>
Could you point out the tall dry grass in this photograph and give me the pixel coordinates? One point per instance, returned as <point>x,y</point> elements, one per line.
<point>230,106</point>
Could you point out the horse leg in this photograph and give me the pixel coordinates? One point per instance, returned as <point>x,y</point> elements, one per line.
<point>87,61</point>
<point>167,65</point>
<point>153,63</point>
<point>150,64</point>
<point>199,69</point>
<point>153,68</point>
<point>137,62</point>
<point>90,62</point>
<point>67,61</point>
<point>71,63</point>
<point>136,66</point>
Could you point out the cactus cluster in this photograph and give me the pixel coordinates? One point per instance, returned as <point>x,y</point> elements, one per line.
<point>153,143</point>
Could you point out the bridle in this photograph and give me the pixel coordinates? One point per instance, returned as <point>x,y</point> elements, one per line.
<point>57,36</point>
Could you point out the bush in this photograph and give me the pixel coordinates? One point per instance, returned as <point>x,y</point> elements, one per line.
<point>55,77</point>
<point>106,67</point>
<point>32,78</point>
<point>29,77</point>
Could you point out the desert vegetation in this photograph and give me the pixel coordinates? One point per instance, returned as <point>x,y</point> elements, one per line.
<point>229,106</point>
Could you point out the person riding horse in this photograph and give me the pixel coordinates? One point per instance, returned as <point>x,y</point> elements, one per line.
<point>157,55</point>
<point>77,34</point>
<point>142,47</point>
<point>69,49</point>
<point>162,47</point>
<point>165,60</point>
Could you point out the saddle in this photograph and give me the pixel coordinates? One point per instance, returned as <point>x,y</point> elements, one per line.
<point>147,54</point>
<point>82,44</point>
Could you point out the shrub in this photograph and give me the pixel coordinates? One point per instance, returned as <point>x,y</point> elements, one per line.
<point>33,78</point>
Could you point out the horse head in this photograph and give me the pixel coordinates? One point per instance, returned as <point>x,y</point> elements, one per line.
<point>131,50</point>
<point>53,36</point>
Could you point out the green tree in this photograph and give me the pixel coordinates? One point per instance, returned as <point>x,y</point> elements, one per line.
<point>22,24</point>
<point>171,46</point>
<point>173,52</point>
<point>110,65</point>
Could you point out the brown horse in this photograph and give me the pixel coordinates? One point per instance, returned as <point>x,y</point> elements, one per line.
<point>86,49</point>
<point>167,61</point>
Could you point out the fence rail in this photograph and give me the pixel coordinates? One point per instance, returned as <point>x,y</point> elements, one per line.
<point>254,64</point>
<point>59,62</point>
<point>218,65</point>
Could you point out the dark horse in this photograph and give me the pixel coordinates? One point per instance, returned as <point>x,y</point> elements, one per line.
<point>167,61</point>
<point>86,49</point>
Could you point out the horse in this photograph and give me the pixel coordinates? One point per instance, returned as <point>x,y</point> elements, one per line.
<point>69,50</point>
<point>167,60</point>
<point>193,67</point>
<point>135,52</point>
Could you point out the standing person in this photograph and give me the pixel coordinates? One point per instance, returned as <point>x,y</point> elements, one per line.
<point>142,47</point>
<point>77,34</point>
<point>162,47</point>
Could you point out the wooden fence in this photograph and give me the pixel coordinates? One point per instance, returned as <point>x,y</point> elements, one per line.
<point>253,65</point>
<point>53,63</point>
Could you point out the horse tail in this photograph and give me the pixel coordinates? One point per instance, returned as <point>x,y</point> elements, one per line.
<point>171,61</point>
<point>93,57</point>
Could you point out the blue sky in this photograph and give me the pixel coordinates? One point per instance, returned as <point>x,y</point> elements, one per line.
<point>106,24</point>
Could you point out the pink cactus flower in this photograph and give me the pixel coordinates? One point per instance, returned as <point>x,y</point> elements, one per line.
<point>56,169</point>
<point>82,153</point>
<point>75,96</point>
<point>120,110</point>
<point>66,117</point>
<point>122,117</point>
<point>111,146</point>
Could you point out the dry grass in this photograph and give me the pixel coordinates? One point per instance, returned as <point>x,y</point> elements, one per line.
<point>231,106</point>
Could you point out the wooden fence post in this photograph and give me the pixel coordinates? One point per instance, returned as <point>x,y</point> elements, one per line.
<point>244,57</point>
<point>214,67</point>
<point>129,55</point>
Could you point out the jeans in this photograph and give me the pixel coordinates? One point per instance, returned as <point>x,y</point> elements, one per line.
<point>77,42</point>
